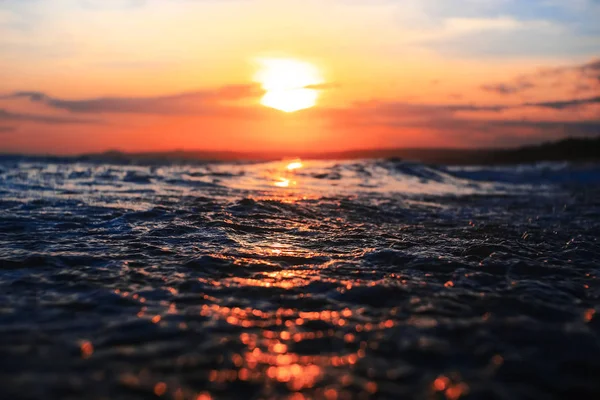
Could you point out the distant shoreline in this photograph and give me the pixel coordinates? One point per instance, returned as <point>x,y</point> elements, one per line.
<point>573,150</point>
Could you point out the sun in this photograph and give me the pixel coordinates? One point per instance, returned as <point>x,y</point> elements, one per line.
<point>290,85</point>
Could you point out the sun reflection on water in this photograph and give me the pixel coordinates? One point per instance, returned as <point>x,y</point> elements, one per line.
<point>305,349</point>
<point>285,175</point>
<point>309,350</point>
<point>282,182</point>
<point>294,165</point>
<point>270,354</point>
<point>285,346</point>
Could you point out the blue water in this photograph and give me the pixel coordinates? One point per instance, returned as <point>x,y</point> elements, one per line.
<point>335,280</point>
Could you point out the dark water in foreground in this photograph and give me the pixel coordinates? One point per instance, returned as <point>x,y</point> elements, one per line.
<point>372,279</point>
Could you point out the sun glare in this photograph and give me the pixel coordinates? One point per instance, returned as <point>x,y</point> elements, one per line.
<point>282,182</point>
<point>294,165</point>
<point>289,84</point>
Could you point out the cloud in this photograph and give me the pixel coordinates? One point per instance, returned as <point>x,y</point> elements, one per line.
<point>196,102</point>
<point>592,65</point>
<point>509,37</point>
<point>546,28</point>
<point>448,29</point>
<point>560,105</point>
<point>473,107</point>
<point>588,69</point>
<point>498,132</point>
<point>111,4</point>
<point>591,69</point>
<point>466,124</point>
<point>507,88</point>
<point>576,78</point>
<point>44,119</point>
<point>410,111</point>
<point>588,128</point>
<point>7,129</point>
<point>498,33</point>
<point>462,26</point>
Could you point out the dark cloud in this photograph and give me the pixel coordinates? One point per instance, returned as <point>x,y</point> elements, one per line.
<point>410,111</point>
<point>501,132</point>
<point>461,122</point>
<point>197,102</point>
<point>591,70</point>
<point>43,119</point>
<point>427,110</point>
<point>473,107</point>
<point>508,88</point>
<point>556,105</point>
<point>464,122</point>
<point>561,105</point>
<point>7,129</point>
<point>585,128</point>
<point>592,66</point>
<point>576,77</point>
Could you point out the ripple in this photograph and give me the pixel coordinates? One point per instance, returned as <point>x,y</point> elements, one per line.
<point>401,281</point>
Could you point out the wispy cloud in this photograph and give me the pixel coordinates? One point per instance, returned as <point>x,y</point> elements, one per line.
<point>44,119</point>
<point>470,124</point>
<point>509,28</point>
<point>574,78</point>
<point>431,110</point>
<point>508,88</point>
<point>111,4</point>
<point>590,70</point>
<point>202,102</point>
<point>561,105</point>
<point>7,129</point>
<point>194,102</point>
<point>463,26</point>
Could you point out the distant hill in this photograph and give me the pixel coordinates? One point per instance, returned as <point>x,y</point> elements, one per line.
<point>576,150</point>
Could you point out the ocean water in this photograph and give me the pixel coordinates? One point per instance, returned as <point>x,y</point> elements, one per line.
<point>315,279</point>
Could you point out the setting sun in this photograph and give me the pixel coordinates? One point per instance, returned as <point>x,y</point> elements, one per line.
<point>289,84</point>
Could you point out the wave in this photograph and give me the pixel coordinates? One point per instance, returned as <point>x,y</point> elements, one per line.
<point>316,178</point>
<point>259,280</point>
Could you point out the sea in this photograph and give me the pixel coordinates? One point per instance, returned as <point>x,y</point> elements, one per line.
<point>298,279</point>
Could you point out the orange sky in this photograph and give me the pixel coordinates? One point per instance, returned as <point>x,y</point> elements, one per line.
<point>146,75</point>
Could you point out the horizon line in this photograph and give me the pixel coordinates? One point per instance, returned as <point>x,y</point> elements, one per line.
<point>272,155</point>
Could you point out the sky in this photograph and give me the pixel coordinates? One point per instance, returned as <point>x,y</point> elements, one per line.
<point>83,76</point>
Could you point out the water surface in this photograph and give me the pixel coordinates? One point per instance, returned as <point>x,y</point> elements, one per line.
<point>335,280</point>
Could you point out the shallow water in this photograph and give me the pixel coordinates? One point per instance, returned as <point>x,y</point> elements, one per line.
<point>336,280</point>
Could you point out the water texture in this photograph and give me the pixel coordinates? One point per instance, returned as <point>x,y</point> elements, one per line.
<point>334,280</point>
